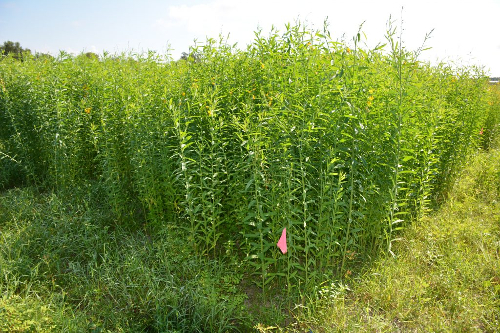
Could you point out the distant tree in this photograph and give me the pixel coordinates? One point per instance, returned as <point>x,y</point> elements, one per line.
<point>92,55</point>
<point>88,55</point>
<point>43,56</point>
<point>195,57</point>
<point>14,48</point>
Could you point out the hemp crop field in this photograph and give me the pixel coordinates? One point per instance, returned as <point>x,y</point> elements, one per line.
<point>343,146</point>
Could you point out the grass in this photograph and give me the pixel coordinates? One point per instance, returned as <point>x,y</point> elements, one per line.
<point>444,277</point>
<point>64,269</point>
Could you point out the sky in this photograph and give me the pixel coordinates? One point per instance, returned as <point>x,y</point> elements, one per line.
<point>463,32</point>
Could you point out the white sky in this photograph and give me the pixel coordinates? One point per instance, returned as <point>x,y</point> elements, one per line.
<point>465,32</point>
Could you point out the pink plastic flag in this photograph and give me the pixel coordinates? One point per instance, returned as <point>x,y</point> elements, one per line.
<point>282,241</point>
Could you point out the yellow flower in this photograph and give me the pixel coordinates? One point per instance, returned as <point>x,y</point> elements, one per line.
<point>348,50</point>
<point>262,65</point>
<point>87,110</point>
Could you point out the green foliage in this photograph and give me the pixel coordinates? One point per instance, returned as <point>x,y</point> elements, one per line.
<point>443,277</point>
<point>342,146</point>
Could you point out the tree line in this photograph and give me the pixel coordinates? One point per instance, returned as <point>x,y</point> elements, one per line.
<point>17,51</point>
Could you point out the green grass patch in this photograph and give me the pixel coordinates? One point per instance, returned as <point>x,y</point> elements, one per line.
<point>65,269</point>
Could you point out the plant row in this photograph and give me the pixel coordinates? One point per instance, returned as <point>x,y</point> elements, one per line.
<point>340,145</point>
